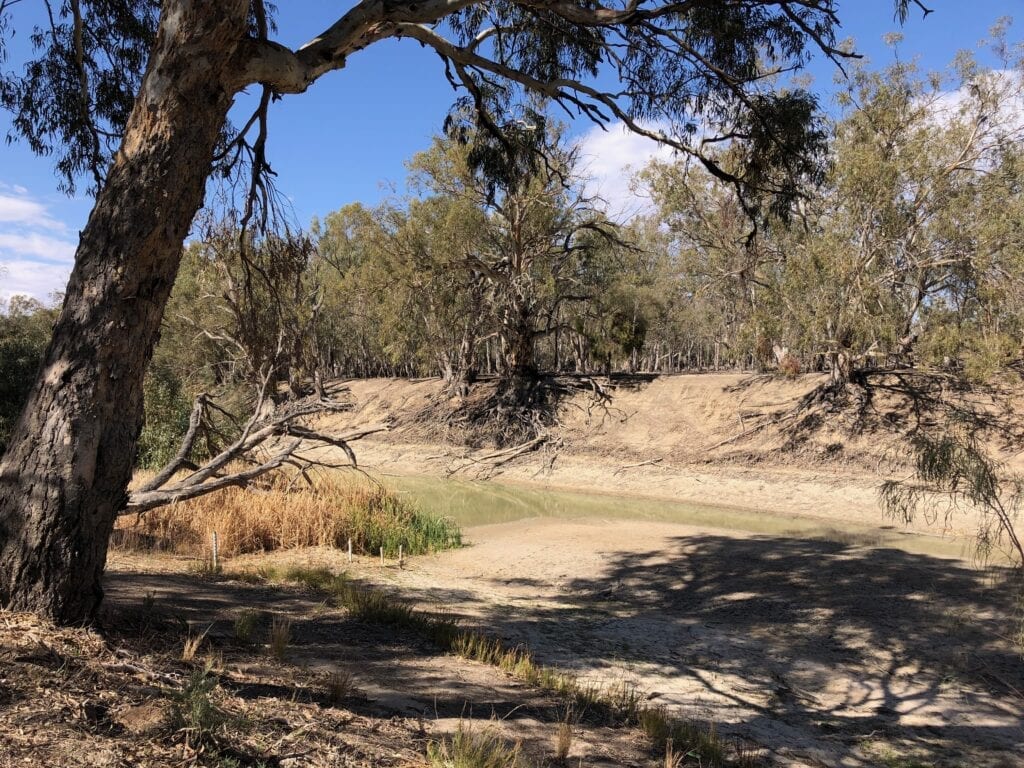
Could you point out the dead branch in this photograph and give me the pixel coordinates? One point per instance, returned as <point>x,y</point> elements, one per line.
<point>491,461</point>
<point>188,441</point>
<point>647,463</point>
<point>752,431</point>
<point>265,444</point>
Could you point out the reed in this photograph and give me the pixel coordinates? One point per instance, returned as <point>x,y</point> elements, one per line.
<point>277,517</point>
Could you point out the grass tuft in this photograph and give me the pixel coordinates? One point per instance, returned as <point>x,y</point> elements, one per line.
<point>469,749</point>
<point>280,637</point>
<point>340,685</point>
<point>563,738</point>
<point>192,645</point>
<point>245,626</point>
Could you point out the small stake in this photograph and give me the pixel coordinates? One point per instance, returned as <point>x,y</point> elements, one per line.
<point>215,551</point>
<point>382,556</point>
<point>350,550</point>
<point>399,555</point>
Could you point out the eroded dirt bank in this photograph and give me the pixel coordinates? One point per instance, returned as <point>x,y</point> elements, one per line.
<point>726,439</point>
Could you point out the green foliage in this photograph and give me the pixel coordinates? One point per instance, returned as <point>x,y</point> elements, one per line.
<point>953,465</point>
<point>245,626</point>
<point>167,413</point>
<point>194,709</point>
<point>73,105</point>
<point>24,333</point>
<point>389,521</point>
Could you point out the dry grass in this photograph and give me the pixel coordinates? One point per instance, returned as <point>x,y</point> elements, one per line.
<point>280,637</point>
<point>340,685</point>
<point>471,749</point>
<point>563,740</point>
<point>277,517</point>
<point>192,645</point>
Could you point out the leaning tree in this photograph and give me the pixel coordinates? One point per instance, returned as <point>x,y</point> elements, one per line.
<point>135,95</point>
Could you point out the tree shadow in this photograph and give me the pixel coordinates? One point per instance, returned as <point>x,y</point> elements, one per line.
<point>801,641</point>
<point>395,671</point>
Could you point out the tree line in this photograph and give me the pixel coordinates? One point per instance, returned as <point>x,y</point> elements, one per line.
<point>907,252</point>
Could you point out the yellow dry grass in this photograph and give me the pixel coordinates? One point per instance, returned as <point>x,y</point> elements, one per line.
<point>277,517</point>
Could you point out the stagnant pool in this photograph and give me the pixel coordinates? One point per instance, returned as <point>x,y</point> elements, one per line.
<point>473,503</point>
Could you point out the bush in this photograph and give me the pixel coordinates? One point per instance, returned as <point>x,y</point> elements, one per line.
<point>24,334</point>
<point>167,414</point>
<point>789,367</point>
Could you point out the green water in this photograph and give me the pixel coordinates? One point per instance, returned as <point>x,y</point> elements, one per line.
<point>486,503</point>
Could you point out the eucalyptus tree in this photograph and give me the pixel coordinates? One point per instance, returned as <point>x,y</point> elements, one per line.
<point>349,332</point>
<point>913,219</point>
<point>418,300</point>
<point>537,230</point>
<point>727,274</point>
<point>137,95</point>
<point>908,250</point>
<point>25,325</point>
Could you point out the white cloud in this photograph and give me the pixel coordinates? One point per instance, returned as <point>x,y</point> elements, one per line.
<point>38,246</point>
<point>27,212</point>
<point>35,253</point>
<point>1005,86</point>
<point>30,278</point>
<point>610,158</point>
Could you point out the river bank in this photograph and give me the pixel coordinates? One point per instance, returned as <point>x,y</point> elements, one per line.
<point>726,440</point>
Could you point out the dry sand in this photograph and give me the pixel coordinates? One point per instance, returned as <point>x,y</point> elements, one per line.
<point>823,653</point>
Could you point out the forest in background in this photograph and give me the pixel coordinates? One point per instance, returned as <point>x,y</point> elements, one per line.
<point>904,251</point>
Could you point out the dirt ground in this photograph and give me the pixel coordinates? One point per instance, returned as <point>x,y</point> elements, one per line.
<point>824,653</point>
<point>87,698</point>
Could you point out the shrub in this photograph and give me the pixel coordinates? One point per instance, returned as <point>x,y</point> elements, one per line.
<point>789,367</point>
<point>167,414</point>
<point>194,710</point>
<point>467,749</point>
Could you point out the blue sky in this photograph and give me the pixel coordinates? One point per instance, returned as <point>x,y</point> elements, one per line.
<point>347,138</point>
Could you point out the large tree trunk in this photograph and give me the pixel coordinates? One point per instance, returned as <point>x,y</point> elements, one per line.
<point>519,345</point>
<point>65,473</point>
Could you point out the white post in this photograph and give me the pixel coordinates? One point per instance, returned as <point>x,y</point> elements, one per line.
<point>215,553</point>
<point>399,555</point>
<point>382,555</point>
<point>350,550</point>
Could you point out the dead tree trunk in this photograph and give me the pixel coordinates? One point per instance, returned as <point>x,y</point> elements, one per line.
<point>63,478</point>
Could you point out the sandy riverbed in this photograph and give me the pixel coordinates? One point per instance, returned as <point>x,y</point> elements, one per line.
<point>826,653</point>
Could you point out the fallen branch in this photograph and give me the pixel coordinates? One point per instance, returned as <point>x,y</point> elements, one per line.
<point>647,463</point>
<point>498,458</point>
<point>124,667</point>
<point>748,432</point>
<point>259,431</point>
